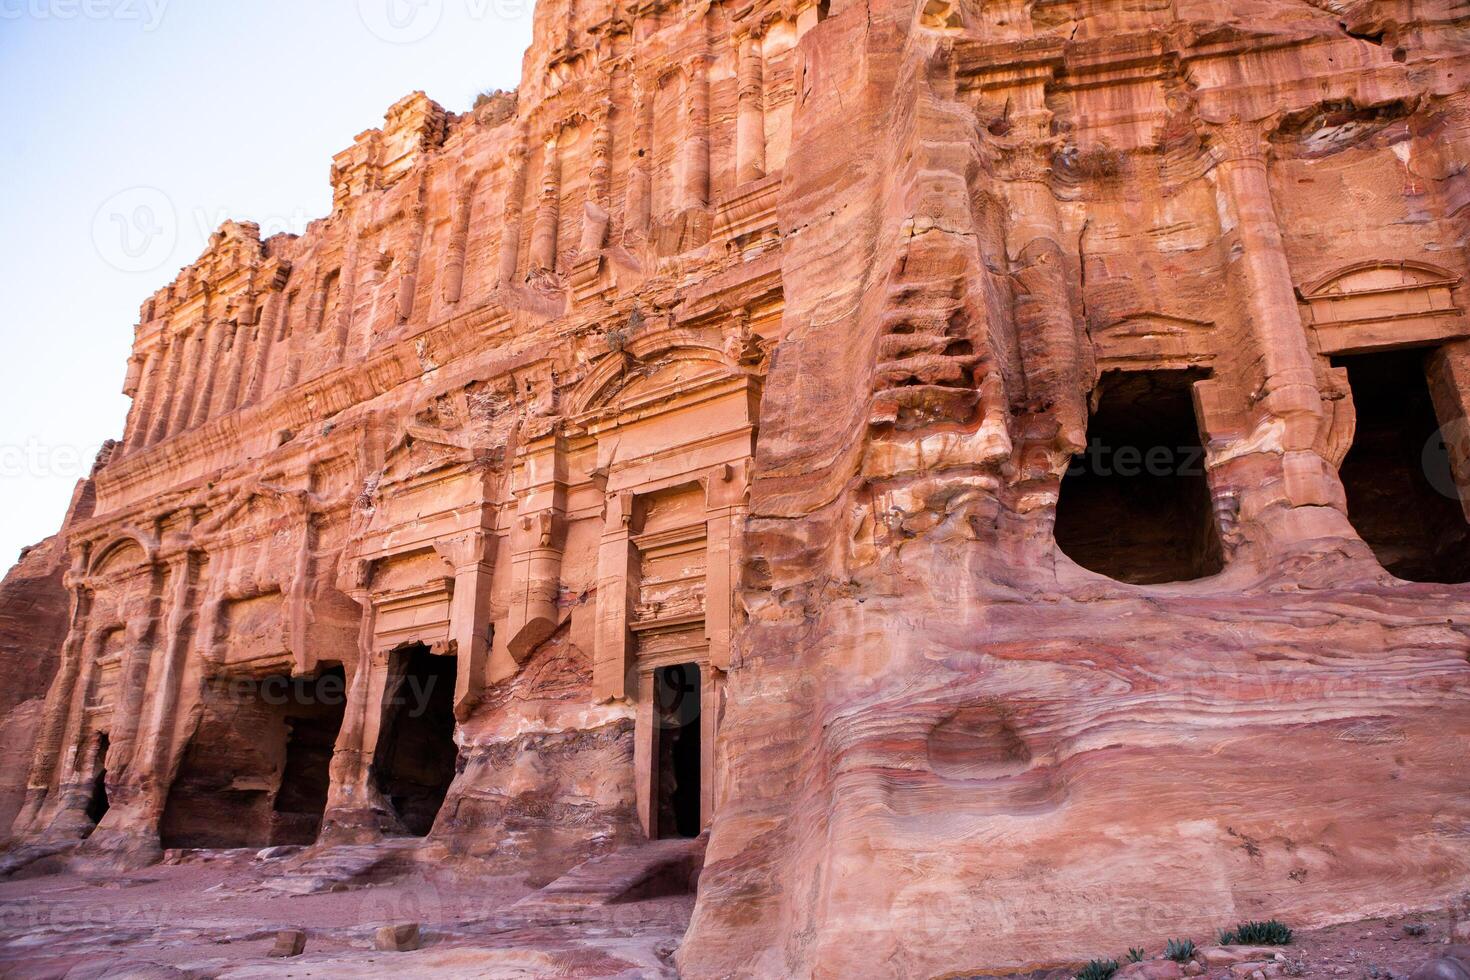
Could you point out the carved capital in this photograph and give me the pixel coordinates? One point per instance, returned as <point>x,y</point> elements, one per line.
<point>1238,139</point>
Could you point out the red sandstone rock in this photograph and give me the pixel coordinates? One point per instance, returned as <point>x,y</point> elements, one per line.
<point>289,943</point>
<point>964,456</point>
<point>399,938</point>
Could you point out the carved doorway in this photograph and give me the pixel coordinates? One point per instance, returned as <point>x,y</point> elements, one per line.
<point>417,755</point>
<point>97,803</point>
<point>678,775</point>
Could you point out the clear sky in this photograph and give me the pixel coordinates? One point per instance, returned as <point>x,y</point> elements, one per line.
<point>130,129</point>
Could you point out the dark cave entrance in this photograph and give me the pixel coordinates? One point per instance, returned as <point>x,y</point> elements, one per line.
<point>97,803</point>
<point>310,739</point>
<point>257,770</point>
<point>1401,492</point>
<point>678,752</point>
<point>416,757</point>
<point>1135,505</point>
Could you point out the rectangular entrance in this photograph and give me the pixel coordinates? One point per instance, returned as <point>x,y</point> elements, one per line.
<point>678,757</point>
<point>417,755</point>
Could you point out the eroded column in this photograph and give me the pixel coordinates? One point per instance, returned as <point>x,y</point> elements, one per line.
<point>599,183</point>
<point>459,238</point>
<point>548,208</point>
<point>510,223</point>
<point>1264,285</point>
<point>617,588</point>
<point>750,120</point>
<point>695,190</point>
<point>638,202</point>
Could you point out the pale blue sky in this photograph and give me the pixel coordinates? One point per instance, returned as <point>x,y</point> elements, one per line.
<point>197,110</point>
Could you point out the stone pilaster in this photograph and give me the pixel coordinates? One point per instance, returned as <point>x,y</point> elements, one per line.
<point>548,208</point>
<point>750,119</point>
<point>510,223</point>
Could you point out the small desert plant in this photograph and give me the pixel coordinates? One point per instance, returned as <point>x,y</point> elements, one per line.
<point>1269,933</point>
<point>1098,970</point>
<point>1136,955</point>
<point>1180,950</point>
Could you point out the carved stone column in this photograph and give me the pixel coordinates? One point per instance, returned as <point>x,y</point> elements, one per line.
<point>239,356</point>
<point>695,190</point>
<point>536,544</point>
<point>155,750</point>
<point>168,388</point>
<point>351,796</point>
<point>750,120</point>
<point>599,183</point>
<point>409,277</point>
<point>727,504</point>
<point>1050,347</point>
<point>133,674</point>
<point>548,208</point>
<point>510,224</point>
<point>617,589</point>
<point>473,557</point>
<point>272,311</point>
<point>346,292</point>
<point>214,346</point>
<point>1263,283</point>
<point>192,355</point>
<point>459,237</point>
<point>638,202</point>
<point>147,396</point>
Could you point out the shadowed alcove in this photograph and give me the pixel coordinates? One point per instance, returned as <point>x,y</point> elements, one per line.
<point>1135,506</point>
<point>417,755</point>
<point>1400,489</point>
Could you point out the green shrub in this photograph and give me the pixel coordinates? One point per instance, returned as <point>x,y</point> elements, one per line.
<point>1269,933</point>
<point>1136,955</point>
<point>1180,950</point>
<point>1098,970</point>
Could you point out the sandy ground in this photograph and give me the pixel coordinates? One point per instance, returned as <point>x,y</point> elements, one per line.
<point>216,914</point>
<point>218,917</point>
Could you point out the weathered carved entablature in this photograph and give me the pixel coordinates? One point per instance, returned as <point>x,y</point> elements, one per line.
<point>1322,67</point>
<point>378,158</point>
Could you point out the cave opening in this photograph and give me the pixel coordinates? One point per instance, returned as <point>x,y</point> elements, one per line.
<point>311,737</point>
<point>1400,487</point>
<point>97,802</point>
<point>679,755</point>
<point>255,772</point>
<point>1135,505</point>
<point>417,757</point>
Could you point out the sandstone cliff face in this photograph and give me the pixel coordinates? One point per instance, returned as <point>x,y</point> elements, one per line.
<point>34,609</point>
<point>1001,468</point>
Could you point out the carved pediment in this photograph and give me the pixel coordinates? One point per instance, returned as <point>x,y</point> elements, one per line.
<point>1156,339</point>
<point>1379,305</point>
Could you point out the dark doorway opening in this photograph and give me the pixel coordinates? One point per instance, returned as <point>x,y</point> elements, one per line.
<point>97,803</point>
<point>678,752</point>
<point>1135,506</point>
<point>311,736</point>
<point>417,757</point>
<point>1401,492</point>
<point>256,771</point>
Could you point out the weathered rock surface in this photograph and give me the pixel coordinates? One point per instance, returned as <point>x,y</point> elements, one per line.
<point>999,468</point>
